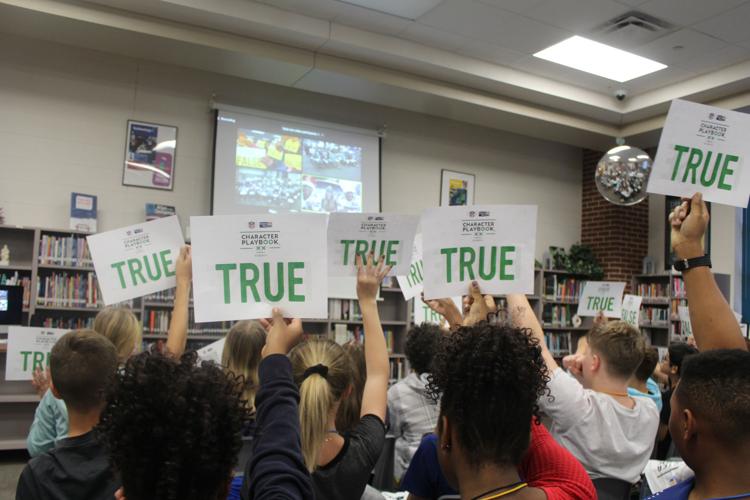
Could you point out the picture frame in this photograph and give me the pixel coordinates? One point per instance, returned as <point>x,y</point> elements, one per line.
<point>670,203</point>
<point>456,188</point>
<point>150,154</point>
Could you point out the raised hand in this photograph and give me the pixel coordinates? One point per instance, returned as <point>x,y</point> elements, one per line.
<point>688,228</point>
<point>184,265</point>
<point>281,335</point>
<point>447,309</point>
<point>479,307</point>
<point>600,319</point>
<point>40,381</point>
<point>370,275</point>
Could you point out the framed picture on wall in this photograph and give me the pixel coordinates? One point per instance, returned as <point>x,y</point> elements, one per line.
<point>150,152</point>
<point>670,203</point>
<point>456,188</point>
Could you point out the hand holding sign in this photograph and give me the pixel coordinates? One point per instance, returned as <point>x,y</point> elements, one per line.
<point>480,307</point>
<point>184,265</point>
<point>369,276</point>
<point>688,227</point>
<point>446,308</point>
<point>282,336</point>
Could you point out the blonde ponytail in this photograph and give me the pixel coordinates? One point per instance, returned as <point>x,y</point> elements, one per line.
<point>320,389</point>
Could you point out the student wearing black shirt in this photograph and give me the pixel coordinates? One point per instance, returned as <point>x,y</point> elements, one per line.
<point>82,365</point>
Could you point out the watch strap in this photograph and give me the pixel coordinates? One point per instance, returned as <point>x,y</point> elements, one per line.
<point>685,264</point>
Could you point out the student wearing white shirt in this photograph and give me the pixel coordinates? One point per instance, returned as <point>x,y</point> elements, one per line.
<point>610,432</point>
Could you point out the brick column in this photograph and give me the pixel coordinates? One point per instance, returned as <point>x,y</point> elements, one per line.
<point>618,235</point>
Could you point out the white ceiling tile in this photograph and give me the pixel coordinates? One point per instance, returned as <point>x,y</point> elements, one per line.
<point>693,44</point>
<point>323,9</point>
<point>408,10</point>
<point>490,53</point>
<point>714,60</point>
<point>632,3</point>
<point>657,80</point>
<point>731,26</point>
<point>579,16</point>
<point>370,20</point>
<point>493,25</point>
<point>433,37</point>
<point>517,6</point>
<point>687,12</point>
<point>548,69</point>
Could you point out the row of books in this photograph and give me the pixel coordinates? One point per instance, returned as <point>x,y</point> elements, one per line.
<point>652,290</point>
<point>66,323</point>
<point>678,286</point>
<point>343,333</point>
<point>568,289</point>
<point>16,279</point>
<point>166,296</point>
<point>64,251</point>
<point>675,304</point>
<point>654,315</point>
<point>156,322</point>
<point>68,290</point>
<point>398,368</point>
<point>344,309</point>
<point>558,315</point>
<point>558,343</point>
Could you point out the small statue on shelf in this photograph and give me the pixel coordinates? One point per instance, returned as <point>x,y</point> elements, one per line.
<point>5,256</point>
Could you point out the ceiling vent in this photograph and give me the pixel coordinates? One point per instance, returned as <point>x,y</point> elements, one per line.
<point>631,30</point>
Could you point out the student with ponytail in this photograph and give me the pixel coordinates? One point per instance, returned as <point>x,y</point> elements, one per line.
<point>341,463</point>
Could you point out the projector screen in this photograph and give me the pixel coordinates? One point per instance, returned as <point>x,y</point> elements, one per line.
<point>273,163</point>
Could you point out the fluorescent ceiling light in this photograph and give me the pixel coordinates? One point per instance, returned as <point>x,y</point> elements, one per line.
<point>409,9</point>
<point>599,59</point>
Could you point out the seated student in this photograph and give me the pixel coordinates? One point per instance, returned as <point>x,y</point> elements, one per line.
<point>710,405</point>
<point>82,365</point>
<point>123,329</point>
<point>671,365</point>
<point>641,384</point>
<point>411,411</point>
<point>611,433</point>
<point>341,464</point>
<point>488,379</point>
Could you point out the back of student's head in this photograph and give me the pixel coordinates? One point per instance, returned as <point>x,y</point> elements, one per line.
<point>122,328</point>
<point>620,345</point>
<point>421,342</point>
<point>82,366</point>
<point>242,354</point>
<point>173,427</point>
<point>349,410</point>
<point>323,372</point>
<point>715,387</point>
<point>647,366</point>
<point>678,353</point>
<point>488,379</point>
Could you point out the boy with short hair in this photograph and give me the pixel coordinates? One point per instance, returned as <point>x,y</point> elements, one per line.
<point>82,366</point>
<point>641,383</point>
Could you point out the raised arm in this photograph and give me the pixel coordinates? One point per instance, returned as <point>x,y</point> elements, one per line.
<point>522,316</point>
<point>374,396</point>
<point>178,324</point>
<point>714,324</point>
<point>447,309</point>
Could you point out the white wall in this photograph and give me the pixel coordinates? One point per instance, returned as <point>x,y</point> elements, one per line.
<point>63,113</point>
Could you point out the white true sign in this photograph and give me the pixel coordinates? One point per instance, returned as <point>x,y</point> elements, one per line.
<point>631,309</point>
<point>423,314</point>
<point>389,235</point>
<point>245,265</point>
<point>686,328</point>
<point>601,296</point>
<point>136,260</point>
<point>703,149</point>
<point>28,349</point>
<point>411,282</point>
<point>491,244</point>
<point>212,352</point>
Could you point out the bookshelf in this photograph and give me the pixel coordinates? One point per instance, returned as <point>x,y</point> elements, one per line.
<point>559,293</point>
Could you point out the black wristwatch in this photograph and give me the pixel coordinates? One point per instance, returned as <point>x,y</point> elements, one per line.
<point>685,264</point>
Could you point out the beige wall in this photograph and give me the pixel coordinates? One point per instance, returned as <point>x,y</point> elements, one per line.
<point>62,128</point>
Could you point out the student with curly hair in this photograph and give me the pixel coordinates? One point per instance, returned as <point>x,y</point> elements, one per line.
<point>411,412</point>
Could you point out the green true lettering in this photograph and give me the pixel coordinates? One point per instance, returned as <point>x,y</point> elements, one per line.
<point>156,265</point>
<point>415,275</point>
<point>387,248</point>
<point>712,172</point>
<point>482,262</point>
<point>37,359</point>
<point>601,303</point>
<point>267,283</point>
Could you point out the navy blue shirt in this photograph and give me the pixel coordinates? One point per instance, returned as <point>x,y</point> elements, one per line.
<point>424,478</point>
<point>681,491</point>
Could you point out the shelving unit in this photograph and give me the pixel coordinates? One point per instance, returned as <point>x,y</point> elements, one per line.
<point>560,292</point>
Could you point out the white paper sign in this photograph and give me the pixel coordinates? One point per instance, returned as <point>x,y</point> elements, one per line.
<point>703,149</point>
<point>28,349</point>
<point>245,265</point>
<point>390,235</point>
<point>631,309</point>
<point>686,328</point>
<point>423,314</point>
<point>212,352</point>
<point>411,282</point>
<point>136,260</point>
<point>491,244</point>
<point>601,296</point>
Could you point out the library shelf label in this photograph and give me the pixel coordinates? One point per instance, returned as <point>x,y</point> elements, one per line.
<point>491,244</point>
<point>601,296</point>
<point>631,309</point>
<point>245,265</point>
<point>703,149</point>
<point>28,349</point>
<point>389,235</point>
<point>136,260</point>
<point>686,328</point>
<point>411,283</point>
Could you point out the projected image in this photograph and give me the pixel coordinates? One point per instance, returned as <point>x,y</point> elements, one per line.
<point>325,194</point>
<point>278,190</point>
<point>3,300</point>
<point>332,160</point>
<point>266,151</point>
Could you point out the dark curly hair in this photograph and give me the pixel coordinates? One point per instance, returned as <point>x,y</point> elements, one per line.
<point>173,427</point>
<point>488,379</point>
<point>421,342</point>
